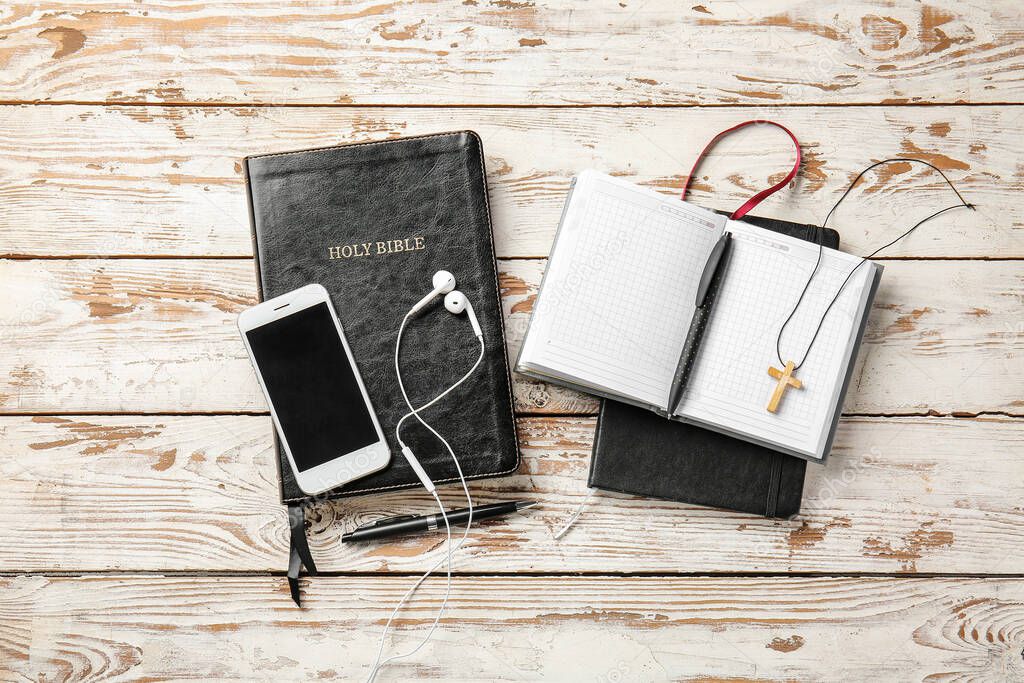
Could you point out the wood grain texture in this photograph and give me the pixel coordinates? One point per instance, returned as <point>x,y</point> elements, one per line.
<point>512,52</point>
<point>168,181</point>
<point>558,629</point>
<point>99,493</point>
<point>126,335</point>
<point>133,149</point>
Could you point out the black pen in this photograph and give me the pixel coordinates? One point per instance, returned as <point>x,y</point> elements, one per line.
<point>407,524</point>
<point>718,257</point>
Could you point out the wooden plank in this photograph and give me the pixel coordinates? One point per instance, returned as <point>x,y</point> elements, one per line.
<point>497,51</point>
<point>94,335</point>
<point>168,181</point>
<point>565,628</point>
<point>98,493</point>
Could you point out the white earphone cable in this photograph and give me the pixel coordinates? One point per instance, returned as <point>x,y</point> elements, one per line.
<point>576,515</point>
<point>416,412</point>
<point>378,664</point>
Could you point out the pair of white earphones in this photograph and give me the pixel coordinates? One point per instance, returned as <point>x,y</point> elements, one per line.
<point>455,302</point>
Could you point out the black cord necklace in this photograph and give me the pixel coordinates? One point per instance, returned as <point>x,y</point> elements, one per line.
<point>785,376</point>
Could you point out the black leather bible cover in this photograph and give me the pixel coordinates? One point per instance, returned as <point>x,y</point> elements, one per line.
<point>372,222</point>
<point>640,452</point>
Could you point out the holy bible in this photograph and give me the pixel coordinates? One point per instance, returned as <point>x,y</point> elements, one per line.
<point>372,222</point>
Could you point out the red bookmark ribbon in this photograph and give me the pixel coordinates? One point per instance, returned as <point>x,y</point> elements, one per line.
<point>763,194</point>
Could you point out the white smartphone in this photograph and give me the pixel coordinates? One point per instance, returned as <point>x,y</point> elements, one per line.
<point>320,407</point>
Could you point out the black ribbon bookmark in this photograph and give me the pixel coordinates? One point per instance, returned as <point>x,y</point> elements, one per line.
<point>299,554</point>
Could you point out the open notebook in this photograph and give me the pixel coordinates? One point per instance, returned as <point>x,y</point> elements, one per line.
<point>618,298</point>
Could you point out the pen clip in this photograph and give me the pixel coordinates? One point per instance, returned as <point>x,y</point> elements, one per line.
<point>714,262</point>
<point>385,521</point>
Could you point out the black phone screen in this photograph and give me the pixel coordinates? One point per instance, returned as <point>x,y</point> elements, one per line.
<point>312,386</point>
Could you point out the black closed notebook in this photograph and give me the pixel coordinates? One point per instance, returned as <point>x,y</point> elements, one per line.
<point>640,452</point>
<point>372,223</point>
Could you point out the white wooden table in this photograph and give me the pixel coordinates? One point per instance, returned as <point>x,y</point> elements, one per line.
<point>141,537</point>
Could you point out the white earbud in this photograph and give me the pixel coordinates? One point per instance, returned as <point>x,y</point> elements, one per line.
<point>443,282</point>
<point>456,302</point>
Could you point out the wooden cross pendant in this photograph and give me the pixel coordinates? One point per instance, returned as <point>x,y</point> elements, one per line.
<point>786,379</point>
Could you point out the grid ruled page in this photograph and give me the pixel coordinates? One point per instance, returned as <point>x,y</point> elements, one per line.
<point>730,386</point>
<point>618,294</point>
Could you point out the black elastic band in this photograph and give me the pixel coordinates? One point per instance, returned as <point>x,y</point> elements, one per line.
<point>807,285</point>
